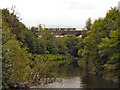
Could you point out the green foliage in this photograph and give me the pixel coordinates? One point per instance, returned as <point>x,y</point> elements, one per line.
<point>101,44</point>
<point>26,51</point>
<point>59,46</point>
<point>88,24</point>
<point>13,21</point>
<point>29,40</point>
<point>47,69</point>
<point>46,42</point>
<point>72,45</point>
<point>110,49</point>
<point>82,61</point>
<point>47,57</point>
<point>15,60</point>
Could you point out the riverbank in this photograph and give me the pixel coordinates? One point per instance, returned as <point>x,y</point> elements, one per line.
<point>56,71</point>
<point>44,71</point>
<point>105,75</point>
<point>32,84</point>
<point>74,76</point>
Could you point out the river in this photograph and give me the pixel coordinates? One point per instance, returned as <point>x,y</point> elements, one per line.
<point>74,76</point>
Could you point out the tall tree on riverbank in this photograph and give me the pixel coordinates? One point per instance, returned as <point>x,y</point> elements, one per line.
<point>15,59</point>
<point>101,28</point>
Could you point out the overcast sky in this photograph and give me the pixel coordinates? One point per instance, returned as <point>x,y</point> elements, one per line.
<point>59,13</point>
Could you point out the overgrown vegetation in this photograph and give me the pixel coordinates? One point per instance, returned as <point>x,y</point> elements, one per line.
<point>28,52</point>
<point>101,45</point>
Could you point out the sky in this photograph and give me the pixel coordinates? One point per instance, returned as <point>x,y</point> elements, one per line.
<point>59,13</point>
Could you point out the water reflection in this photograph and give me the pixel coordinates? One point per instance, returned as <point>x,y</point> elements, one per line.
<point>74,76</point>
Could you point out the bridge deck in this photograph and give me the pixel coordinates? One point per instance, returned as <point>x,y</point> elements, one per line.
<point>76,33</point>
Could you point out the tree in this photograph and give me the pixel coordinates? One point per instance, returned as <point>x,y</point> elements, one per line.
<point>101,28</point>
<point>88,24</point>
<point>59,46</point>
<point>110,49</point>
<point>72,45</point>
<point>46,41</point>
<point>15,60</point>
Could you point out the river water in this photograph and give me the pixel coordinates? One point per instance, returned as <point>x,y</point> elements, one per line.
<point>74,76</point>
